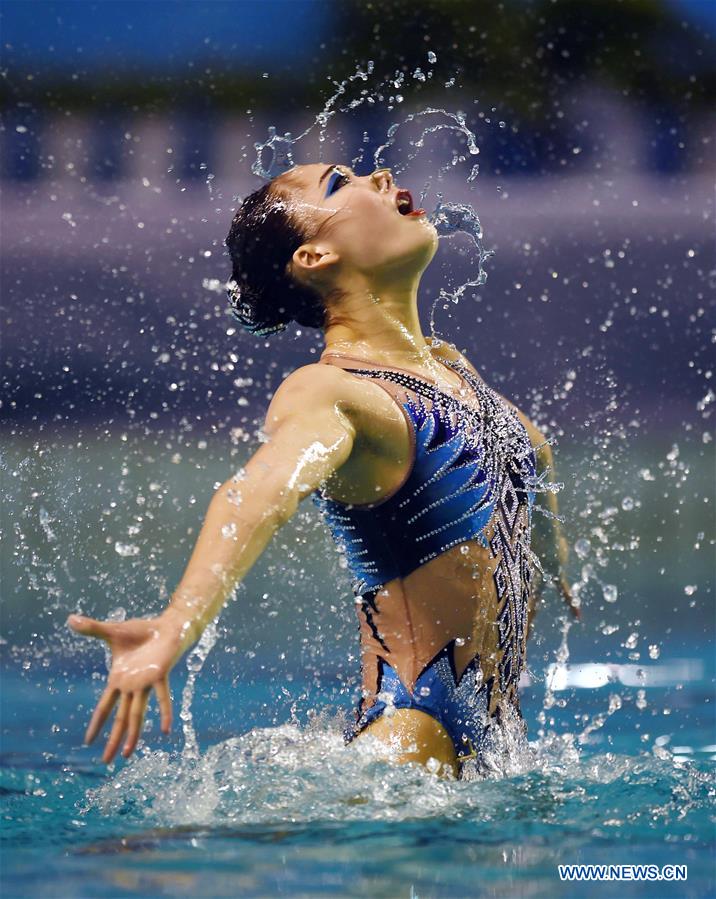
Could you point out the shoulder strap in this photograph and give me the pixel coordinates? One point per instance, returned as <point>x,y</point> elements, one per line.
<point>395,381</point>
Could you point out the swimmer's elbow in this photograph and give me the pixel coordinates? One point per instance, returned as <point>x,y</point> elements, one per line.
<point>282,498</point>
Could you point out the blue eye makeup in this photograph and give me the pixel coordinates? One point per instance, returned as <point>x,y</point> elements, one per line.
<point>336,180</point>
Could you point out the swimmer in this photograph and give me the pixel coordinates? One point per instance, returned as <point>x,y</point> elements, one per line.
<point>426,477</point>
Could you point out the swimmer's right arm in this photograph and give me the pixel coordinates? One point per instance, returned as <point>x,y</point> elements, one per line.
<point>309,436</point>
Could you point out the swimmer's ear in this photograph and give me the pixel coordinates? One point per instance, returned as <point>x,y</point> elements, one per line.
<point>312,260</point>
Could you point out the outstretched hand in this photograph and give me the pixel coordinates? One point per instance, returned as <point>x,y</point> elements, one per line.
<point>144,650</point>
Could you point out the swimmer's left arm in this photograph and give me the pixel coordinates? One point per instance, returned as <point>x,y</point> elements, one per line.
<point>554,551</point>
<point>559,555</point>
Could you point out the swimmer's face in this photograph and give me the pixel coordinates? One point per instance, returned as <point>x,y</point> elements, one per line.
<point>355,224</point>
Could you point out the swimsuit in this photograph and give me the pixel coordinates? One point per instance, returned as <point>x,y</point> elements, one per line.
<point>472,477</point>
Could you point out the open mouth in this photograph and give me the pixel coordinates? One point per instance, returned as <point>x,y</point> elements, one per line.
<point>404,203</point>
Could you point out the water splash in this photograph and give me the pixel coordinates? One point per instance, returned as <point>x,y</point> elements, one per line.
<point>561,659</point>
<point>457,124</point>
<point>46,521</point>
<point>291,773</point>
<point>277,149</point>
<point>275,155</point>
<point>274,774</point>
<point>194,663</point>
<point>451,219</point>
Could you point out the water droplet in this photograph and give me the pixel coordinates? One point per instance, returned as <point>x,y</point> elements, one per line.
<point>126,549</point>
<point>582,548</point>
<point>610,592</point>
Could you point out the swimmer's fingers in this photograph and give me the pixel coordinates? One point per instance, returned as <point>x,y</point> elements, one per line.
<point>137,710</point>
<point>165,704</point>
<point>118,728</point>
<point>88,627</point>
<point>101,712</point>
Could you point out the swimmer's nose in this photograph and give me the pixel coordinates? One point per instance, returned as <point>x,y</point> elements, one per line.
<point>383,179</point>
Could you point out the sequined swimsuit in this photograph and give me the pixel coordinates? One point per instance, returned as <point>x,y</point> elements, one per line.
<point>472,477</point>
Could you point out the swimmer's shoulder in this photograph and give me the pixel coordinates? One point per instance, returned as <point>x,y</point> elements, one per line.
<point>448,352</point>
<point>319,385</point>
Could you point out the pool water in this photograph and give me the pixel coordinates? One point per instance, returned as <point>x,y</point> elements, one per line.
<point>273,803</point>
<point>268,801</point>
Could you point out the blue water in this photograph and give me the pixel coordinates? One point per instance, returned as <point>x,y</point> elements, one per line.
<point>274,804</point>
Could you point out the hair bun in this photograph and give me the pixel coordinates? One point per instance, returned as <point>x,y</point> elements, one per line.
<point>245,307</point>
<point>263,298</point>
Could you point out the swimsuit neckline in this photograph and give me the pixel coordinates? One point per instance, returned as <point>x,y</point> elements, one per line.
<point>448,363</point>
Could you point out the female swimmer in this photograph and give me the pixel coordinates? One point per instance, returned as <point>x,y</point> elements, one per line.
<point>425,475</point>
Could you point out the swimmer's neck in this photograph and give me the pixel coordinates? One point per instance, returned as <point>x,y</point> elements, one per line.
<point>379,323</point>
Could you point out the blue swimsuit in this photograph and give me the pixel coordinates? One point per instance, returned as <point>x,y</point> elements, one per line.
<point>473,476</point>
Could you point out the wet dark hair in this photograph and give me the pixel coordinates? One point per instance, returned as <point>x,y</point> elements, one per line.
<point>261,241</point>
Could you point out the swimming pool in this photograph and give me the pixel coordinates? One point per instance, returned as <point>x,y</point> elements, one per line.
<point>287,809</point>
<point>273,803</point>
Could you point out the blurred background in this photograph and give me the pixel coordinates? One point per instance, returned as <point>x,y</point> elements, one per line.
<point>128,394</point>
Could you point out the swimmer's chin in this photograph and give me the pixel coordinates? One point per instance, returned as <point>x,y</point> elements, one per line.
<point>424,222</point>
<point>433,234</point>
